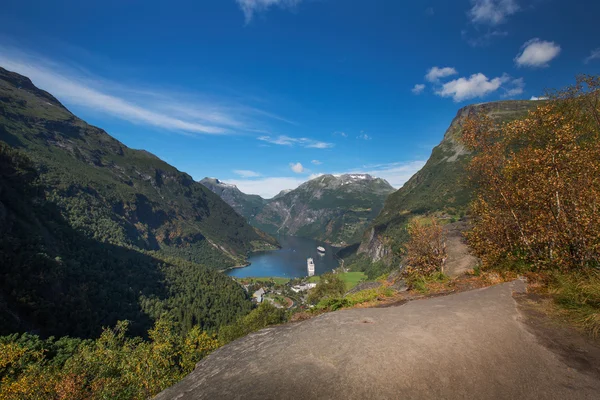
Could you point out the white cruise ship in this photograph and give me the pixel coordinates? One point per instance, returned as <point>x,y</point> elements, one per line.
<point>311,267</point>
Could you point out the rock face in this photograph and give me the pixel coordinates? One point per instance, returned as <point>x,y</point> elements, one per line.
<point>336,209</point>
<point>471,345</point>
<point>247,205</point>
<point>440,186</point>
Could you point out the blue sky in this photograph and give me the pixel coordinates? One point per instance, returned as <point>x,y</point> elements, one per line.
<point>267,93</point>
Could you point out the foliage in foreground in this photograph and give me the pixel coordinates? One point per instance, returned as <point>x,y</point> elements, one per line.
<point>538,182</point>
<point>426,248</point>
<point>112,367</point>
<point>329,286</point>
<point>264,315</point>
<point>537,206</point>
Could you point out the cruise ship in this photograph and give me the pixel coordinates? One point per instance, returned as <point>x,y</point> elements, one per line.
<point>321,249</point>
<point>311,267</point>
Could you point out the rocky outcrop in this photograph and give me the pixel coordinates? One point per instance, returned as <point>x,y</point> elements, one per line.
<point>470,345</point>
<point>247,205</point>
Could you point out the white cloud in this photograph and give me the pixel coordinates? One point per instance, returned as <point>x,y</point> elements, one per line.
<point>594,55</point>
<point>515,88</point>
<point>492,12</point>
<point>245,173</point>
<point>188,113</point>
<point>283,140</point>
<point>435,73</point>
<point>340,133</point>
<point>316,162</point>
<point>252,7</point>
<point>477,85</point>
<point>297,168</point>
<point>534,98</point>
<point>537,53</point>
<point>418,89</point>
<point>364,136</point>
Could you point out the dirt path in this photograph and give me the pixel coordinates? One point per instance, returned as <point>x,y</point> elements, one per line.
<point>459,258</point>
<point>470,345</point>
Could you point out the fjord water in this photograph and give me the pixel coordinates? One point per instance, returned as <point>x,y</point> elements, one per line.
<point>290,260</point>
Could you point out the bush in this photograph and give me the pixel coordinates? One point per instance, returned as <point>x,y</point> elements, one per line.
<point>264,315</point>
<point>537,182</point>
<point>113,366</point>
<point>329,286</point>
<point>426,249</point>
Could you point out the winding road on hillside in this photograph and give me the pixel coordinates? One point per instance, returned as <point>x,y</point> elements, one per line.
<point>479,344</point>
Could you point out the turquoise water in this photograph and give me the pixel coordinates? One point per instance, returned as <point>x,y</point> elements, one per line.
<point>289,261</point>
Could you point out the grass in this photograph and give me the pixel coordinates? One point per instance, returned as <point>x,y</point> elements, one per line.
<point>364,296</point>
<point>424,284</point>
<point>578,293</point>
<point>350,278</point>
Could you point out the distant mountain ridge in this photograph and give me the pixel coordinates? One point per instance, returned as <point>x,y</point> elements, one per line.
<point>330,208</point>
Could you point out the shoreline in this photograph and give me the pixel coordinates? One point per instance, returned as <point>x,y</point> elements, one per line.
<point>248,263</point>
<point>235,267</point>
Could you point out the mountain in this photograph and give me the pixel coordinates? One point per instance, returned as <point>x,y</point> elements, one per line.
<point>92,232</point>
<point>247,205</point>
<point>116,194</point>
<point>331,208</point>
<point>441,186</point>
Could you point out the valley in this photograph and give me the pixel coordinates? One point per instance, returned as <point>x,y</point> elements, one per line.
<point>110,253</point>
<point>290,260</point>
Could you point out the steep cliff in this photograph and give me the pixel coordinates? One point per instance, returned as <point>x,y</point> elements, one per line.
<point>441,186</point>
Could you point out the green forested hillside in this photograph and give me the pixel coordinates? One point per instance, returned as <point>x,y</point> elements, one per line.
<point>93,232</point>
<point>56,281</point>
<point>115,194</point>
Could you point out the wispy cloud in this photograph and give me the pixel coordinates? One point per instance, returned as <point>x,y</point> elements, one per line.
<point>316,162</point>
<point>537,53</point>
<point>188,113</point>
<point>252,7</point>
<point>418,88</point>
<point>283,140</point>
<point>245,173</point>
<point>395,173</point>
<point>364,136</point>
<point>479,85</point>
<point>594,55</point>
<point>436,73</point>
<point>482,40</point>
<point>492,12</point>
<point>340,133</point>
